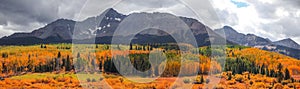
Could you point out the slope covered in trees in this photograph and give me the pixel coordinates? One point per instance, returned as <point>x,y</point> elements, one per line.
<point>58,58</point>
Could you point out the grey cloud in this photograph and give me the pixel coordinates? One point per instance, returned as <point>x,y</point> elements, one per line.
<point>24,13</point>
<point>151,3</point>
<point>230,19</point>
<point>94,8</point>
<point>286,26</point>
<point>205,11</point>
<point>292,3</point>
<point>275,27</point>
<point>268,10</point>
<point>70,8</point>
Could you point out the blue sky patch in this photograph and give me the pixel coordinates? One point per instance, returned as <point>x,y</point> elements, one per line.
<point>239,4</point>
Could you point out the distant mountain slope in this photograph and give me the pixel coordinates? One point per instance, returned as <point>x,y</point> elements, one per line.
<point>242,39</point>
<point>61,28</point>
<point>102,27</point>
<point>286,46</point>
<point>288,43</point>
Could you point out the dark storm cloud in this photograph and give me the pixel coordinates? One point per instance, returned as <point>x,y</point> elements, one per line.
<point>21,15</point>
<point>26,11</point>
<point>28,15</point>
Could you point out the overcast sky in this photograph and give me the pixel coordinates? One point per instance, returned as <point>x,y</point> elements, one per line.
<point>273,19</point>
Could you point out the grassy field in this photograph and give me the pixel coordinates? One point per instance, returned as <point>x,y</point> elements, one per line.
<point>81,77</point>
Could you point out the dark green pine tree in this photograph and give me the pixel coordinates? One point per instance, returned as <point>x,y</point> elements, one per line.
<point>151,47</point>
<point>287,74</point>
<point>68,64</point>
<point>130,47</point>
<point>118,47</point>
<point>267,72</point>
<point>272,73</point>
<point>257,69</point>
<point>279,76</point>
<point>58,55</point>
<point>78,55</point>
<point>201,79</point>
<point>144,48</point>
<point>249,76</point>
<point>262,70</point>
<point>63,63</point>
<point>279,66</point>
<point>136,47</point>
<point>229,77</point>
<point>148,46</point>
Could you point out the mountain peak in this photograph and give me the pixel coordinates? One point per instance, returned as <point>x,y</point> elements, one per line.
<point>288,39</point>
<point>111,10</point>
<point>230,29</point>
<point>62,20</point>
<point>288,42</point>
<point>227,27</point>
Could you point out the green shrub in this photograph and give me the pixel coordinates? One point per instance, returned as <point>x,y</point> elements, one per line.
<point>186,81</point>
<point>88,80</point>
<point>100,79</point>
<point>207,81</point>
<point>93,80</point>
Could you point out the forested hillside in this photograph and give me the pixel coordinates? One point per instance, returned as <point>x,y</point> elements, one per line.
<point>242,65</point>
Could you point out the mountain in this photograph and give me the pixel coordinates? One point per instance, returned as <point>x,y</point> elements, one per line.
<point>242,39</point>
<point>288,43</point>
<point>101,28</point>
<point>61,28</point>
<point>56,32</point>
<point>286,46</point>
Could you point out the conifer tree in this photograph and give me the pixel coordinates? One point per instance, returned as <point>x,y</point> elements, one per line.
<point>68,64</point>
<point>287,74</point>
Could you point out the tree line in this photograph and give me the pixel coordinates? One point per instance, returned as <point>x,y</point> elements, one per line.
<point>240,65</point>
